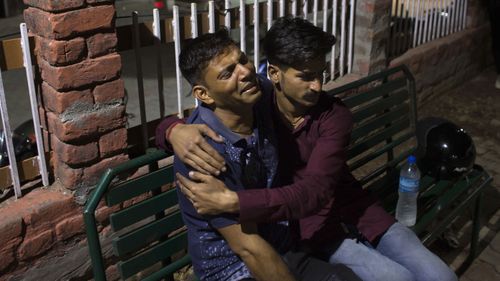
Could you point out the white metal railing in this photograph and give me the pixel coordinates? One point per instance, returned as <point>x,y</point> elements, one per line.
<point>415,22</point>
<point>339,13</point>
<point>8,135</point>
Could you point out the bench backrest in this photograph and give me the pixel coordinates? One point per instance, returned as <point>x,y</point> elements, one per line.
<point>384,114</point>
<point>148,230</point>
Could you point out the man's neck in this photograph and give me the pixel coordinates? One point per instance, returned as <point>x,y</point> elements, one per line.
<point>240,122</point>
<point>291,112</point>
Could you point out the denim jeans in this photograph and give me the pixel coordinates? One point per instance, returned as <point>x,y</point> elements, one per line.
<point>399,256</point>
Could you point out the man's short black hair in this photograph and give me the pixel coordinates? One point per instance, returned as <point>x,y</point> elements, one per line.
<point>198,52</point>
<point>295,42</point>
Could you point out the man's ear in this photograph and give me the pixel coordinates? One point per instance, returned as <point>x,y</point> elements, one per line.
<point>201,93</point>
<point>273,71</point>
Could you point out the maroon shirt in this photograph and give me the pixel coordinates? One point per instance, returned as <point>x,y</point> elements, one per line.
<point>321,191</point>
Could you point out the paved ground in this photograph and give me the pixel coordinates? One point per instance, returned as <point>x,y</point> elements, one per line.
<point>476,107</point>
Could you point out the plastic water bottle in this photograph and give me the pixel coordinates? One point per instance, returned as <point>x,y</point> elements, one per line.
<point>409,180</point>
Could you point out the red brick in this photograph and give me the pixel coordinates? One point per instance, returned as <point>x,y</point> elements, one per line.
<point>75,154</point>
<point>55,5</point>
<point>36,245</point>
<point>8,253</point>
<point>101,44</point>
<point>70,178</point>
<point>106,231</point>
<point>136,200</point>
<point>102,214</point>
<point>109,92</point>
<point>113,142</point>
<point>57,52</point>
<point>10,228</point>
<point>94,172</point>
<point>58,102</point>
<point>112,273</point>
<point>38,22</point>
<point>47,210</point>
<point>84,73</point>
<point>69,24</point>
<point>86,124</point>
<point>69,227</point>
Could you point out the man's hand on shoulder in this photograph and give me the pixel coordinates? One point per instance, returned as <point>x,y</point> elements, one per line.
<point>190,146</point>
<point>209,195</point>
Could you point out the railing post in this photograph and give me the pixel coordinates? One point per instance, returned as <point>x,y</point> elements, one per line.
<point>243,42</point>
<point>159,68</point>
<point>177,50</point>
<point>256,22</point>
<point>28,66</point>
<point>269,14</point>
<point>211,17</point>
<point>227,17</point>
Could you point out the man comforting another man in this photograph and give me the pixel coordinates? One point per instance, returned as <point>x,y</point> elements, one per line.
<point>280,196</point>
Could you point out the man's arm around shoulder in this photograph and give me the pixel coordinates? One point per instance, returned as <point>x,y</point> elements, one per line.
<point>260,257</point>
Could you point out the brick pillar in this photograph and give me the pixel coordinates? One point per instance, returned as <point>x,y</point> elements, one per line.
<point>371,35</point>
<point>82,92</point>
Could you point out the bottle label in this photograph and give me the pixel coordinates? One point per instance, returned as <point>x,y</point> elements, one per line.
<point>408,185</point>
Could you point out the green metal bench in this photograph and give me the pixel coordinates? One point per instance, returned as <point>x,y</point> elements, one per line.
<point>149,235</point>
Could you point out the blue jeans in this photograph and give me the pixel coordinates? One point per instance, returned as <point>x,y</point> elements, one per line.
<point>399,256</point>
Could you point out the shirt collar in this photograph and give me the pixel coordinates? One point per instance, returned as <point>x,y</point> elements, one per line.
<point>209,117</point>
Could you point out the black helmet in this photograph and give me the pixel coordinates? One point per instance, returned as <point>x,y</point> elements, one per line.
<point>445,151</point>
<point>23,140</point>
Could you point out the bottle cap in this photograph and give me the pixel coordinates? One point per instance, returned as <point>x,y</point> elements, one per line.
<point>412,159</point>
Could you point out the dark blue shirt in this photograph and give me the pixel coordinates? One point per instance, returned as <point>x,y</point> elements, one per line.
<point>250,162</point>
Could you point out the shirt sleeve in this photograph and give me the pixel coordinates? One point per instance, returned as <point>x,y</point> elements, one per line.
<point>162,128</point>
<point>324,170</point>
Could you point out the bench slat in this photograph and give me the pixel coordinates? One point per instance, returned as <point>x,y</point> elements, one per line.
<point>383,89</point>
<point>140,185</point>
<point>371,141</point>
<point>397,70</point>
<point>355,165</point>
<point>141,237</point>
<point>142,210</point>
<point>386,118</point>
<point>158,253</point>
<point>390,166</point>
<point>169,269</point>
<point>387,166</point>
<point>397,98</point>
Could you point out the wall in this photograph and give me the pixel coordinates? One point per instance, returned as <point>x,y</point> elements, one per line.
<point>446,63</point>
